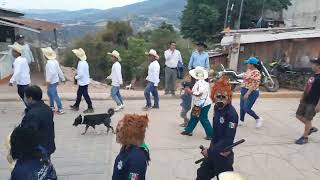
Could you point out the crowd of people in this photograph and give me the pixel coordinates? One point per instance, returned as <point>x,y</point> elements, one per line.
<point>32,142</point>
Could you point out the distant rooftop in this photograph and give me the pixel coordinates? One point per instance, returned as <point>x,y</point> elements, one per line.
<point>10,12</point>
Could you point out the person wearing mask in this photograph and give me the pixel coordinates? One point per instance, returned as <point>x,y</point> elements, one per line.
<point>250,91</point>
<point>116,78</point>
<point>217,159</point>
<point>39,117</point>
<point>26,51</point>
<point>133,158</point>
<point>83,81</point>
<point>310,103</point>
<point>153,81</point>
<point>21,71</point>
<point>54,75</point>
<point>202,103</point>
<point>173,57</point>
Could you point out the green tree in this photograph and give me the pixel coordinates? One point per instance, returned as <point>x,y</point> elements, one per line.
<point>202,19</point>
<point>199,20</point>
<point>117,32</point>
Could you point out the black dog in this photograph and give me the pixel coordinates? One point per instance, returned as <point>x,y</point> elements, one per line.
<point>95,119</point>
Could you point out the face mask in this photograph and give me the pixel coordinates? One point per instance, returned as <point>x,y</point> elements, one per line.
<point>220,104</point>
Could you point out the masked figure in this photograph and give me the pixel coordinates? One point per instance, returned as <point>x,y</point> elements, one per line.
<point>225,123</point>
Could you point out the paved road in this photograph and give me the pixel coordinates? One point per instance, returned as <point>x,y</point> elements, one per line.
<point>268,153</point>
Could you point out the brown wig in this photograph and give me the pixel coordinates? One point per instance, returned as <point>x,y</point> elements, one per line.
<point>131,129</point>
<point>221,86</point>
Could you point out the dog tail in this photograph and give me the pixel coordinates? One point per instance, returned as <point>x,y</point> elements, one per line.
<point>111,112</point>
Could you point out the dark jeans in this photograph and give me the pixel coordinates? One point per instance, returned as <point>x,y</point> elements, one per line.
<point>83,91</point>
<point>246,105</point>
<point>21,89</point>
<point>154,91</point>
<point>212,167</point>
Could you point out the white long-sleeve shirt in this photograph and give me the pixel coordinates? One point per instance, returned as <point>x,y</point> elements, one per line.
<point>27,53</point>
<point>116,75</point>
<point>21,72</point>
<point>172,58</point>
<point>53,72</point>
<point>201,87</point>
<point>83,75</point>
<point>153,73</point>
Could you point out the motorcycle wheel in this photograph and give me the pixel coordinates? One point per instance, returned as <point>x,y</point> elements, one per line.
<point>272,87</point>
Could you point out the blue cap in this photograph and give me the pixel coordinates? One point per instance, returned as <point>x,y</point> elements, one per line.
<point>252,60</point>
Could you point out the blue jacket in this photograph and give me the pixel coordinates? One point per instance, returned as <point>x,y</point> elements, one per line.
<point>40,117</point>
<point>225,122</point>
<point>130,164</point>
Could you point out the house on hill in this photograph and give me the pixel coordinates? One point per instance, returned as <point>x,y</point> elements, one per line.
<point>13,23</point>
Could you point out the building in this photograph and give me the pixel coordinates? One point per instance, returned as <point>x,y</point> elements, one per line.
<point>302,14</point>
<point>294,45</point>
<point>13,23</point>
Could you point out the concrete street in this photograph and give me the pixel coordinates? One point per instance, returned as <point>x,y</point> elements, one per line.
<point>268,154</point>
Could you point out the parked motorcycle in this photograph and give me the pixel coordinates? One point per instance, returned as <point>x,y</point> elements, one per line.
<point>269,81</point>
<point>290,77</point>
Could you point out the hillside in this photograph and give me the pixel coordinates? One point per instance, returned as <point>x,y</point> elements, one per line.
<point>143,16</point>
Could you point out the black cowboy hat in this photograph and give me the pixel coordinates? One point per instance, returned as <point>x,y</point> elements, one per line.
<point>315,61</point>
<point>202,44</point>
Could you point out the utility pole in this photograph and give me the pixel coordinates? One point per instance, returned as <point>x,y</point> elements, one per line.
<point>240,14</point>
<point>227,13</point>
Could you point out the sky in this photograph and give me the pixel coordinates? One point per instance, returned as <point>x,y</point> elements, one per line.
<point>64,4</point>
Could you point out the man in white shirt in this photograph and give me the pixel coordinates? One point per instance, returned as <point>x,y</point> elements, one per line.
<point>53,76</point>
<point>153,81</point>
<point>26,51</point>
<point>83,80</point>
<point>116,78</point>
<point>173,57</point>
<point>21,71</point>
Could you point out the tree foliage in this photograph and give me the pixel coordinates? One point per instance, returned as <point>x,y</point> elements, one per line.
<point>202,19</point>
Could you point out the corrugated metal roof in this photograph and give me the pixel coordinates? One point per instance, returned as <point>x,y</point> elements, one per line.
<point>268,37</point>
<point>32,23</point>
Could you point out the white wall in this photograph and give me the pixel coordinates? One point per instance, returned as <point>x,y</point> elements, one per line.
<point>303,13</point>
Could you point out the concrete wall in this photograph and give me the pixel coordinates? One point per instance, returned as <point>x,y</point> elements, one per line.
<point>303,13</point>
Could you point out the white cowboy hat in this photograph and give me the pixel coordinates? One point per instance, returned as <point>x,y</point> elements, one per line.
<point>115,54</point>
<point>17,47</point>
<point>49,53</point>
<point>230,176</point>
<point>80,54</point>
<point>199,73</point>
<point>153,53</point>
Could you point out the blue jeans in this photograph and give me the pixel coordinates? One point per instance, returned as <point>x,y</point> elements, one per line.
<point>115,94</point>
<point>246,105</point>
<point>53,95</point>
<point>154,91</point>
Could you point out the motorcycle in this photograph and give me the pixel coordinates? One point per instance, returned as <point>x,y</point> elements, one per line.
<point>290,77</point>
<point>270,82</point>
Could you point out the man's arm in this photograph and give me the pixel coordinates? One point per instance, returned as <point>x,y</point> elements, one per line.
<point>119,75</point>
<point>79,71</point>
<point>207,63</point>
<point>180,58</point>
<point>48,73</point>
<point>60,73</point>
<point>190,62</point>
<point>16,71</point>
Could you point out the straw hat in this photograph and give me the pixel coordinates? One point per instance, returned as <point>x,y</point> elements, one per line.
<point>230,176</point>
<point>199,73</point>
<point>49,53</point>
<point>17,47</point>
<point>153,53</point>
<point>80,54</point>
<point>115,54</point>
